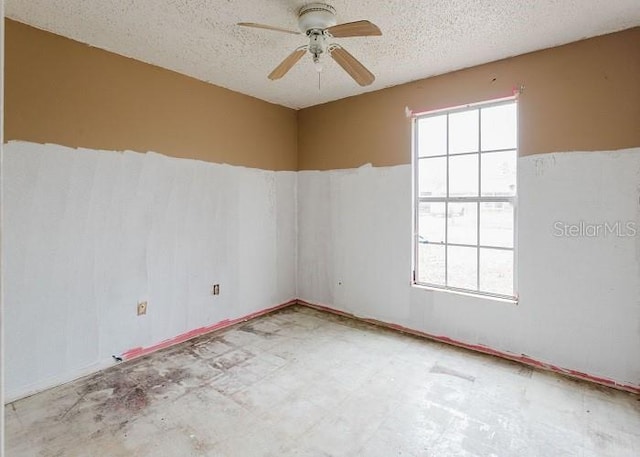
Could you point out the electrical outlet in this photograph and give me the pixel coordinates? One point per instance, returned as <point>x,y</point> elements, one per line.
<point>215,290</point>
<point>142,308</point>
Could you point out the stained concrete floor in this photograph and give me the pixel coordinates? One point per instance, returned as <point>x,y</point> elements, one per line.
<point>300,382</point>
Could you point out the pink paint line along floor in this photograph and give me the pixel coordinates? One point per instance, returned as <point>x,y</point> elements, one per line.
<point>302,382</point>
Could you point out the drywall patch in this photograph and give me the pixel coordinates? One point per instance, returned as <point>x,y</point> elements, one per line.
<point>89,233</point>
<point>542,164</point>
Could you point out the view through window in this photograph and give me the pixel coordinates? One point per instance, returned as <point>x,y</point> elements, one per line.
<point>465,198</point>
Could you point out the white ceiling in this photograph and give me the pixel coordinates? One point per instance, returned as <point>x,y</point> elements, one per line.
<point>420,37</point>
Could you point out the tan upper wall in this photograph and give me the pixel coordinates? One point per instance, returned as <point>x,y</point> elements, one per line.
<point>60,91</point>
<point>582,96</point>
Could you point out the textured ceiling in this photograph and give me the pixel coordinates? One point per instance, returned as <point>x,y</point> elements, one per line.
<point>420,37</point>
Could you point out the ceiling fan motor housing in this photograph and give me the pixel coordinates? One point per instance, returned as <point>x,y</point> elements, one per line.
<point>316,16</point>
<point>317,44</point>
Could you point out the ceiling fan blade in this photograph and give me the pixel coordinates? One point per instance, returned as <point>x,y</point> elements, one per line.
<point>287,63</point>
<point>267,27</point>
<point>352,66</point>
<point>357,28</point>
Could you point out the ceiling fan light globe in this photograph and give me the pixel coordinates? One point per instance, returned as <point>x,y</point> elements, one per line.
<point>316,16</point>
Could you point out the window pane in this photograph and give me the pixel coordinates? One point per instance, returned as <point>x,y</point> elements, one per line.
<point>462,267</point>
<point>463,132</point>
<point>463,176</point>
<point>432,177</point>
<point>432,136</point>
<point>499,127</point>
<point>496,271</point>
<point>499,173</point>
<point>496,224</point>
<point>431,222</point>
<point>431,264</point>
<point>462,223</point>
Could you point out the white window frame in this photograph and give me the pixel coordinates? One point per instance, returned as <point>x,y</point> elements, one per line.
<point>479,199</point>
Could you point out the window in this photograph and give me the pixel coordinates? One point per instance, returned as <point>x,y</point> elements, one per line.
<point>465,199</point>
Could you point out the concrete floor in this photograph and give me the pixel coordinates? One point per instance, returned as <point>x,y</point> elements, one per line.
<point>304,383</point>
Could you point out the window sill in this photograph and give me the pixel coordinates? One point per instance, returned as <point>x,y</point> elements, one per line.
<point>512,301</point>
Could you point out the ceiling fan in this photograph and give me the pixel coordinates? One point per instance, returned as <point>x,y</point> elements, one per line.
<point>318,22</point>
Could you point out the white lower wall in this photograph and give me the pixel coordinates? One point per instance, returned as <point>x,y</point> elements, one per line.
<point>87,234</point>
<point>579,302</point>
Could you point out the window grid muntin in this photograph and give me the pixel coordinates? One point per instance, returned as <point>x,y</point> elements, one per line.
<point>479,195</point>
<point>446,216</point>
<point>511,199</point>
<point>460,154</point>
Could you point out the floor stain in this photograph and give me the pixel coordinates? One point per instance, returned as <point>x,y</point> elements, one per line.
<point>221,383</point>
<point>602,439</point>
<point>448,371</point>
<point>115,396</point>
<point>525,372</point>
<point>231,359</point>
<point>251,329</point>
